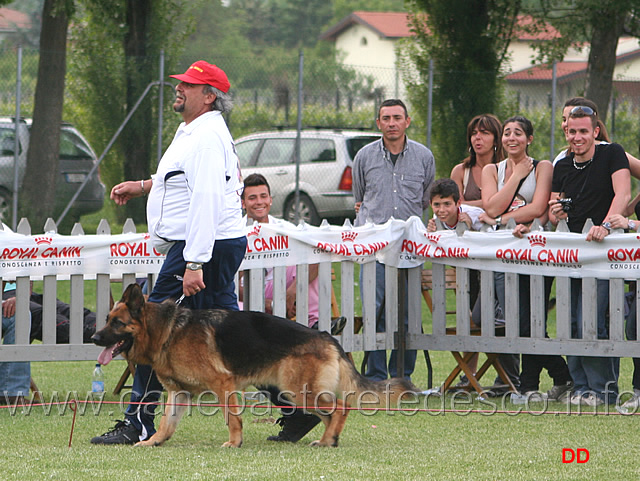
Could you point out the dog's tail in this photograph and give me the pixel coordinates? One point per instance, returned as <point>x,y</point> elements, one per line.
<point>357,390</point>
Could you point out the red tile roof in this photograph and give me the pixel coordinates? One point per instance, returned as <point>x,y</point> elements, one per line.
<point>543,73</point>
<point>11,20</point>
<point>396,25</point>
<point>385,24</point>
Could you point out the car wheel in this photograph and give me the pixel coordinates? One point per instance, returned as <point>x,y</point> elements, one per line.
<point>307,210</point>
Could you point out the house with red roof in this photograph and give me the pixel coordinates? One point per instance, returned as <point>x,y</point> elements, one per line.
<point>368,42</point>
<point>12,21</point>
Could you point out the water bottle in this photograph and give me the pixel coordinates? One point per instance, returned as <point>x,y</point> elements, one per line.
<point>97,384</point>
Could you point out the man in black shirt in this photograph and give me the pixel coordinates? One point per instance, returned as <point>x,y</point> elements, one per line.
<point>596,178</point>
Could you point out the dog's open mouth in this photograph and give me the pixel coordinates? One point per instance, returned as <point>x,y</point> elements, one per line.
<point>109,352</point>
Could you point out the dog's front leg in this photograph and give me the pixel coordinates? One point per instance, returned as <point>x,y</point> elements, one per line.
<point>232,413</point>
<point>177,403</point>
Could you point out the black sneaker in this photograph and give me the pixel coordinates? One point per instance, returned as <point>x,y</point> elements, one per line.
<point>122,433</point>
<point>295,427</point>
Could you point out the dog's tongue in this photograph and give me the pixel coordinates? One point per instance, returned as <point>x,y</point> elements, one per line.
<point>106,356</point>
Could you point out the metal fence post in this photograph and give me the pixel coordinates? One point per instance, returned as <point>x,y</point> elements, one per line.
<point>160,105</point>
<point>554,83</point>
<point>430,108</point>
<point>298,134</point>
<point>16,142</point>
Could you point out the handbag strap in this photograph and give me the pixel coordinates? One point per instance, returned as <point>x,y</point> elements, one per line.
<point>535,162</point>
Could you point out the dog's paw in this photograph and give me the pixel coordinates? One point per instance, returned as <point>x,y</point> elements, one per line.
<point>229,444</point>
<point>321,444</point>
<point>147,442</point>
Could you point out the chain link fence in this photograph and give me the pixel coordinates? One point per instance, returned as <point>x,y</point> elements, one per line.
<point>267,97</point>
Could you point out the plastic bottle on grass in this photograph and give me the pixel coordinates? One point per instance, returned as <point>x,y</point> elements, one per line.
<point>97,384</point>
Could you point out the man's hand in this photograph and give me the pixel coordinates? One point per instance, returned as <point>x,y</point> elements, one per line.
<point>597,233</point>
<point>555,209</point>
<point>125,191</point>
<point>192,282</point>
<point>9,307</point>
<point>431,225</point>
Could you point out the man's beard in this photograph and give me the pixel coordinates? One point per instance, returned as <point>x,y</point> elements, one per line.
<point>178,107</point>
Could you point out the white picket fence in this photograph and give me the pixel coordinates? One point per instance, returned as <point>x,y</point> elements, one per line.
<point>434,338</point>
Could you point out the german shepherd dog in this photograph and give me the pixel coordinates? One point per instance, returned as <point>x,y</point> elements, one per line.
<point>219,351</point>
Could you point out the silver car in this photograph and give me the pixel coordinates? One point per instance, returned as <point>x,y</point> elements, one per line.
<point>77,159</point>
<point>326,160</point>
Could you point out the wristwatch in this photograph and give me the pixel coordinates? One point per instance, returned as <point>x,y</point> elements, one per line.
<point>606,225</point>
<point>194,266</point>
<point>632,225</point>
<point>499,220</point>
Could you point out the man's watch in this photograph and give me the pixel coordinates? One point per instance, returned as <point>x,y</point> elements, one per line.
<point>606,225</point>
<point>194,266</point>
<point>632,225</point>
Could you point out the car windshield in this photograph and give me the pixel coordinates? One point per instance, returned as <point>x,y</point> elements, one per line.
<point>356,143</point>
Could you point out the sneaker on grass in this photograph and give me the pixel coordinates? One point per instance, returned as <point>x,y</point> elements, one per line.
<point>122,433</point>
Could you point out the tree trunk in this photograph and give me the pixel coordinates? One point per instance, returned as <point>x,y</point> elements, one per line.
<point>42,172</point>
<point>138,135</point>
<point>602,58</point>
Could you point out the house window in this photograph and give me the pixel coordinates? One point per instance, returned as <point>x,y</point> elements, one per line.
<point>363,42</point>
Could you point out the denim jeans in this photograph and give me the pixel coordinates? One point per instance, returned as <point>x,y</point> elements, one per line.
<point>377,360</point>
<point>631,332</point>
<point>593,374</point>
<point>15,377</point>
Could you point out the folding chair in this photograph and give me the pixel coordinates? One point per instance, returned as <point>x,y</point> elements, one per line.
<point>463,359</point>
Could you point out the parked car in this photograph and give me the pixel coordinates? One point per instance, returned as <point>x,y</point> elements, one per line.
<point>77,158</point>
<point>326,161</point>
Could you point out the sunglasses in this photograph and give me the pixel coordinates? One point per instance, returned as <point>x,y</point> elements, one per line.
<point>583,109</point>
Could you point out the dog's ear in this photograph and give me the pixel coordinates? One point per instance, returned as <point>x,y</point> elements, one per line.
<point>134,299</point>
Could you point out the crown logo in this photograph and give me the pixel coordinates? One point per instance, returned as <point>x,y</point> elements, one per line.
<point>432,237</point>
<point>44,240</point>
<point>255,231</point>
<point>537,240</point>
<point>146,236</point>
<point>349,236</point>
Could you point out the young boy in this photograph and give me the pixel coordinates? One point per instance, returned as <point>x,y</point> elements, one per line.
<point>446,205</point>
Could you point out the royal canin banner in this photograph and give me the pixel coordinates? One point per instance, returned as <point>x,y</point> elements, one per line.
<point>397,243</point>
<point>52,254</point>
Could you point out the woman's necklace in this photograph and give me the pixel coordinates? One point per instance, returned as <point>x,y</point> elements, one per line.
<point>581,165</point>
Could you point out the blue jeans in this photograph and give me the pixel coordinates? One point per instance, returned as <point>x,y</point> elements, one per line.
<point>15,377</point>
<point>593,374</point>
<point>377,360</point>
<point>219,293</point>
<point>631,332</point>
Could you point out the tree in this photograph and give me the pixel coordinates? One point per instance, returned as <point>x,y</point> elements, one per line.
<point>116,52</point>
<point>601,23</point>
<point>41,175</point>
<point>467,40</point>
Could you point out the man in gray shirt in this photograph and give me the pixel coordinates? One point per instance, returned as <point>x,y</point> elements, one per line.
<point>391,178</point>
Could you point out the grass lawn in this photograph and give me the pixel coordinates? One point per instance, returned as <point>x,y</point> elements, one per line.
<point>387,446</point>
<point>437,443</point>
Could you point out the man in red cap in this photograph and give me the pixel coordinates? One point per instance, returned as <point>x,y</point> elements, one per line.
<point>194,215</point>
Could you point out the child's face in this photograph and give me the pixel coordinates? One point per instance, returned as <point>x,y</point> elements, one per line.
<point>445,209</point>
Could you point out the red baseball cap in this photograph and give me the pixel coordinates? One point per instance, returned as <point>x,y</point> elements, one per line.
<point>201,73</point>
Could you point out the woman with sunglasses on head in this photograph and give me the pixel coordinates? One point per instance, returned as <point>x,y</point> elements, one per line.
<point>519,187</point>
<point>484,142</point>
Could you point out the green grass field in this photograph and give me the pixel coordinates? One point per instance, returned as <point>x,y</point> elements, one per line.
<point>441,441</point>
<point>436,444</point>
